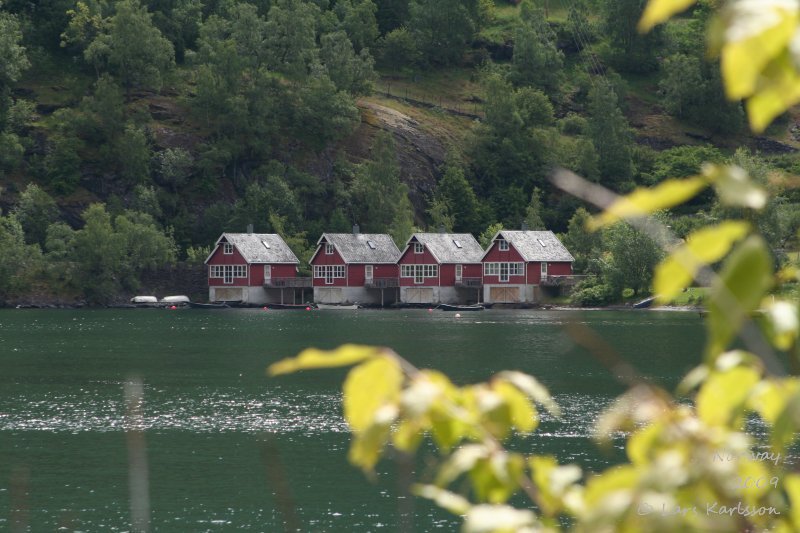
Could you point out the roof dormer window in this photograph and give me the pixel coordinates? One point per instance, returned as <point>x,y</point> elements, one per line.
<point>227,248</point>
<point>418,248</point>
<point>502,245</point>
<point>328,248</point>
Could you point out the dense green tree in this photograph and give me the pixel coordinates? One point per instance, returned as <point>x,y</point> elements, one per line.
<point>399,49</point>
<point>536,60</point>
<point>634,256</point>
<point>111,252</point>
<point>35,210</point>
<point>380,198</point>
<point>13,58</point>
<point>631,51</point>
<point>132,48</point>
<point>441,216</point>
<point>98,253</point>
<point>533,213</point>
<point>13,61</point>
<point>59,242</point>
<point>459,199</point>
<point>611,135</point>
<point>584,245</point>
<point>485,238</point>
<point>349,71</point>
<point>103,113</point>
<point>322,114</point>
<point>444,29</point>
<point>134,155</point>
<point>174,167</point>
<point>513,148</point>
<point>391,14</point>
<point>19,262</point>
<point>357,18</point>
<point>145,200</point>
<point>291,37</point>
<point>692,90</point>
<point>179,21</point>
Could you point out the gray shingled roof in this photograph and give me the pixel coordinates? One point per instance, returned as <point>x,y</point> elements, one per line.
<point>355,247</point>
<point>253,249</point>
<point>536,245</point>
<point>444,249</point>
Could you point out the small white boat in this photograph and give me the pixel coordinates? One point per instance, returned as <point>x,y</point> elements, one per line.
<point>336,306</point>
<point>181,299</point>
<point>144,300</point>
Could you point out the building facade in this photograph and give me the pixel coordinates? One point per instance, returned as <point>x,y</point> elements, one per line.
<point>441,268</point>
<point>518,263</point>
<point>254,268</point>
<point>355,268</point>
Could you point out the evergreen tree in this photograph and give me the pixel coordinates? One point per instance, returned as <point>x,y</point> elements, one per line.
<point>533,213</point>
<point>536,60</point>
<point>444,28</point>
<point>462,205</point>
<point>631,51</point>
<point>380,198</point>
<point>611,135</point>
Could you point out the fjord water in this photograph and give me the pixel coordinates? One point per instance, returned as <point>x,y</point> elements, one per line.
<point>226,444</point>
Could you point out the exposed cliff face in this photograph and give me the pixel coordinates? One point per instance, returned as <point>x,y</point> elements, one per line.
<point>419,152</point>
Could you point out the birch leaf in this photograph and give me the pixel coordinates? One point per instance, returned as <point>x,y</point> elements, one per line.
<point>345,355</point>
<point>643,202</point>
<point>702,247</point>
<point>658,11</point>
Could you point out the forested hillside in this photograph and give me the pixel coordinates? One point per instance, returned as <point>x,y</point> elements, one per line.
<point>132,132</point>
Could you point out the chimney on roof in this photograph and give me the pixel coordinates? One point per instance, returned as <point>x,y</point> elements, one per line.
<point>356,229</point>
<point>249,229</point>
<point>524,226</point>
<point>442,229</point>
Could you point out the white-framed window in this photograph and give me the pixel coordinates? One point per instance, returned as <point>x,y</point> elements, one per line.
<point>228,272</point>
<point>328,272</point>
<point>419,272</point>
<point>502,245</point>
<point>328,248</point>
<point>418,248</point>
<point>511,269</point>
<point>227,248</point>
<point>544,269</point>
<point>459,272</point>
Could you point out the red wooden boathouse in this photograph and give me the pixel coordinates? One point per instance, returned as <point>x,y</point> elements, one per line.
<point>518,263</point>
<point>254,268</point>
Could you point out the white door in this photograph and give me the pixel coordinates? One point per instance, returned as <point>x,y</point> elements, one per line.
<point>228,275</point>
<point>458,272</point>
<point>368,273</point>
<point>503,272</point>
<point>267,274</point>
<point>544,270</point>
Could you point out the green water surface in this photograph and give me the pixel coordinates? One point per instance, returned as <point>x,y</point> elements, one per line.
<point>225,444</point>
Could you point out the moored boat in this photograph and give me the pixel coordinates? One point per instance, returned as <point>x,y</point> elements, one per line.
<point>296,307</point>
<point>336,306</point>
<point>449,307</point>
<point>175,300</point>
<point>144,300</point>
<point>219,305</point>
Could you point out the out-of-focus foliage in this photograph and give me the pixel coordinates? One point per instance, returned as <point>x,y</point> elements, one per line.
<point>691,465</point>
